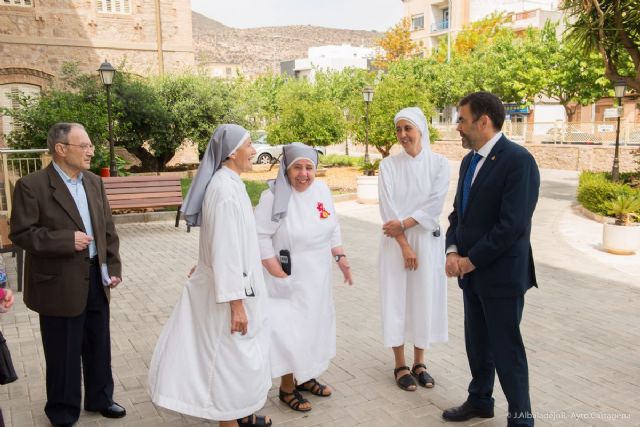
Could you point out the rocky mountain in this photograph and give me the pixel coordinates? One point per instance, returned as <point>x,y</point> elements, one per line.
<point>260,50</point>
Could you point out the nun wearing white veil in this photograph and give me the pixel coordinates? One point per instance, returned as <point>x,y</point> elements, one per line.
<point>211,359</point>
<point>413,285</point>
<point>297,222</point>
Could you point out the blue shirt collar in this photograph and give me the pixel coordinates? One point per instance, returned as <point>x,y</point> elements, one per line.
<point>64,176</point>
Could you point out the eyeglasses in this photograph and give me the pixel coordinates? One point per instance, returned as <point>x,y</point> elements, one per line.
<point>83,147</point>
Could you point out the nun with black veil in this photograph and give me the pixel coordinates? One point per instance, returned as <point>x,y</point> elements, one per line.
<point>211,359</point>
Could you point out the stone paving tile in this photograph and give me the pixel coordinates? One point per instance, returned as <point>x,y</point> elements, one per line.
<point>581,329</point>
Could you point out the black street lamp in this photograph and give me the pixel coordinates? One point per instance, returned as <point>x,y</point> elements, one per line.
<point>367,94</point>
<point>345,113</point>
<point>618,87</point>
<point>107,72</point>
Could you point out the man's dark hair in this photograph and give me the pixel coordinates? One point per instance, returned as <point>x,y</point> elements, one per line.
<point>482,103</point>
<point>59,134</point>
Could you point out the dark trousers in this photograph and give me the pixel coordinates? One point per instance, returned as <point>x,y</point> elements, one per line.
<point>72,343</point>
<point>494,343</point>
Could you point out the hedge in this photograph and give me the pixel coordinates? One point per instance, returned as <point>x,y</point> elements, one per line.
<point>596,188</point>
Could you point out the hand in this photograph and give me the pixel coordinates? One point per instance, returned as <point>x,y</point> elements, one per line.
<point>465,265</point>
<point>191,271</point>
<point>346,270</point>
<point>392,228</point>
<point>410,258</point>
<point>115,281</point>
<point>451,267</point>
<point>277,271</point>
<point>81,240</point>
<point>239,321</point>
<point>8,300</point>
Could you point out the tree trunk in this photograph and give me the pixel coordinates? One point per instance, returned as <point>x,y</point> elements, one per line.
<point>570,111</point>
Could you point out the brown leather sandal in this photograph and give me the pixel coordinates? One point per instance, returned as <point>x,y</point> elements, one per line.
<point>314,387</point>
<point>423,377</point>
<point>295,401</point>
<point>254,420</point>
<point>406,381</point>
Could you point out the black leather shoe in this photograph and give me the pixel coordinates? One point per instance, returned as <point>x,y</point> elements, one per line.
<point>62,425</point>
<point>114,411</point>
<point>465,412</point>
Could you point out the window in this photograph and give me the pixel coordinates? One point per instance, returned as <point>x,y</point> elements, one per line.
<point>25,3</point>
<point>417,22</point>
<point>228,71</point>
<point>122,7</point>
<point>8,99</point>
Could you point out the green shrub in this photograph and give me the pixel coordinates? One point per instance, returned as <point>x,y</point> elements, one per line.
<point>339,160</point>
<point>254,188</point>
<point>596,190</point>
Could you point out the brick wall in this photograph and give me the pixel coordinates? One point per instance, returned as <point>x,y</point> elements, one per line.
<point>552,156</point>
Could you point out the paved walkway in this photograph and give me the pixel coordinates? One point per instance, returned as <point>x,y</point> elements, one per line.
<point>581,328</point>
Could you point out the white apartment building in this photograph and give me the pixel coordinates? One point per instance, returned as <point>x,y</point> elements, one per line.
<point>328,58</point>
<point>432,20</point>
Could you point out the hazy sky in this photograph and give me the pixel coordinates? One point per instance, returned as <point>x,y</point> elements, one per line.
<point>377,15</point>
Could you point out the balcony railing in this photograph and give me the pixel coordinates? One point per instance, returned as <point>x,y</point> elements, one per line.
<point>440,26</point>
<point>15,164</point>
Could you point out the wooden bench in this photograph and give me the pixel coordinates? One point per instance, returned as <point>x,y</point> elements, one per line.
<point>138,192</point>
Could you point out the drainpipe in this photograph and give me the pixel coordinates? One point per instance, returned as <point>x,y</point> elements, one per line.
<point>159,38</point>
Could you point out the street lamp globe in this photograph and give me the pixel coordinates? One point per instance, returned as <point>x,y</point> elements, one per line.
<point>619,87</point>
<point>367,94</point>
<point>107,72</point>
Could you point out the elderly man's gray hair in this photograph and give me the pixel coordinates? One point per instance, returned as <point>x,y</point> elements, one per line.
<point>59,134</point>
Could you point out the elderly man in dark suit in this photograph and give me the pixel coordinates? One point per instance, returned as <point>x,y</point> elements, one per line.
<point>62,219</point>
<point>488,249</point>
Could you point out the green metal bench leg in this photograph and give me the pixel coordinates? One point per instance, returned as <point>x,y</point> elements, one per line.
<point>178,220</point>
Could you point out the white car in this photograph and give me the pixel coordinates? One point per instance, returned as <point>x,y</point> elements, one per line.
<point>267,154</point>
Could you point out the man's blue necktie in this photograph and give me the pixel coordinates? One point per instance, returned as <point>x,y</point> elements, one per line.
<point>468,177</point>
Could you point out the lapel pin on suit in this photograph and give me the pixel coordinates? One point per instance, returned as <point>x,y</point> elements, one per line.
<point>493,157</point>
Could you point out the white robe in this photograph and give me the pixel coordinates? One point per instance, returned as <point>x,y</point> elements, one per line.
<point>414,303</point>
<point>301,311</point>
<point>198,367</point>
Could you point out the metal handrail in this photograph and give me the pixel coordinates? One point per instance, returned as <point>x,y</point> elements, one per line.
<point>31,150</point>
<point>440,26</point>
<point>31,164</point>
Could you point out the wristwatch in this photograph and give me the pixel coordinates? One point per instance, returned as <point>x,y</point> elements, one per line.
<point>337,257</point>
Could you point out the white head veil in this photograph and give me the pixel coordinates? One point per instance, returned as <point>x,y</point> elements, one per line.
<point>417,118</point>
<point>281,187</point>
<point>224,142</point>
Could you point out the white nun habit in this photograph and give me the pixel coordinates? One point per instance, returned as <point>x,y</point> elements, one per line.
<point>301,310</point>
<point>198,367</point>
<point>414,303</point>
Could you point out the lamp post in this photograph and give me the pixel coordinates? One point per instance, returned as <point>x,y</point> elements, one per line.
<point>449,31</point>
<point>345,112</point>
<point>618,87</point>
<point>107,72</point>
<point>367,94</point>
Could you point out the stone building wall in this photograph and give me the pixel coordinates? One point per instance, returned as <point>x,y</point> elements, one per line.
<point>43,36</point>
<point>552,156</point>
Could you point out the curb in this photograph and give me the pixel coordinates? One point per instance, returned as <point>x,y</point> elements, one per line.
<point>130,218</point>
<point>581,210</point>
<point>346,197</point>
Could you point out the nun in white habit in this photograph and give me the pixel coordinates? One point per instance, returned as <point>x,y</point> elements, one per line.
<point>297,223</point>
<point>413,292</point>
<point>211,359</point>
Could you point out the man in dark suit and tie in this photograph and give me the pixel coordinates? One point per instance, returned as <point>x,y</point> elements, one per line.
<point>62,220</point>
<point>488,249</point>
